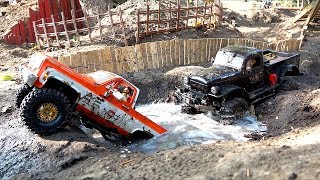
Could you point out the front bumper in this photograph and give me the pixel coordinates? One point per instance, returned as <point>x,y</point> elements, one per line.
<point>28,76</point>
<point>197,100</point>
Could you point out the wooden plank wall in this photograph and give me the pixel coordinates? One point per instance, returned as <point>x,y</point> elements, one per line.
<point>171,53</point>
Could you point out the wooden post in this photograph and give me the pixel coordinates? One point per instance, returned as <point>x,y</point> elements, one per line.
<point>178,15</point>
<point>99,24</point>
<point>214,15</point>
<point>158,27</point>
<point>196,14</point>
<point>123,29</point>
<point>65,28</point>
<point>204,13</point>
<point>87,24</point>
<point>147,25</point>
<point>111,21</point>
<point>138,27</point>
<point>188,12</point>
<point>55,29</point>
<point>169,17</point>
<point>36,34</point>
<point>45,31</point>
<point>210,17</point>
<point>73,15</point>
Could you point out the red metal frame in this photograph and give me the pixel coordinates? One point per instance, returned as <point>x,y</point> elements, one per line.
<point>23,31</point>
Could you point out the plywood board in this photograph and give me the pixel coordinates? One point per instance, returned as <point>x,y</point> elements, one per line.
<point>181,51</point>
<point>163,58</point>
<point>141,55</point>
<point>66,60</point>
<point>213,48</point>
<point>296,45</point>
<point>148,63</point>
<point>231,41</point>
<point>154,54</point>
<point>113,60</point>
<point>219,45</point>
<point>159,55</point>
<point>126,59</point>
<point>193,51</point>
<point>95,56</point>
<point>224,42</point>
<point>167,52</point>
<point>176,52</point>
<point>121,61</point>
<point>207,50</point>
<point>186,51</point>
<point>87,61</point>
<point>171,52</point>
<point>202,48</point>
<point>132,58</point>
<point>106,59</point>
<point>201,51</point>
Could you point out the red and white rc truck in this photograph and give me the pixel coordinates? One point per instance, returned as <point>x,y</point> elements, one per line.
<point>107,101</point>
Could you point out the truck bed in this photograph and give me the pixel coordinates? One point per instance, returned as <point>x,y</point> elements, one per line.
<point>271,58</point>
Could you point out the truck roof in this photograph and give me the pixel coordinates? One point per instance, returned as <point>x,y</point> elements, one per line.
<point>241,50</point>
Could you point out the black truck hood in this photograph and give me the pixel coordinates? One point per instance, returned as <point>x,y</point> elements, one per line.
<point>214,73</point>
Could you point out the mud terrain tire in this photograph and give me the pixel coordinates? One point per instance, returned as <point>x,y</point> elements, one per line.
<point>22,92</point>
<point>45,110</point>
<point>233,109</point>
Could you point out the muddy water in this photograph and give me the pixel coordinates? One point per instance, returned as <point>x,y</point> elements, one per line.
<point>187,130</point>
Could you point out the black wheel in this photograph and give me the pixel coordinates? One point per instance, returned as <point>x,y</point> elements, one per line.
<point>233,109</point>
<point>45,110</point>
<point>114,138</point>
<point>21,93</point>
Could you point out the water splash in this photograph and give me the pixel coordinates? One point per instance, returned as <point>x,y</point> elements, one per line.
<point>187,130</point>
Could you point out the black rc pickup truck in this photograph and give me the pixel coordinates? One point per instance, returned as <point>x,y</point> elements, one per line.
<point>239,76</point>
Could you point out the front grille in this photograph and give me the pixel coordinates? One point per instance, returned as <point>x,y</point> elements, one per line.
<point>199,87</point>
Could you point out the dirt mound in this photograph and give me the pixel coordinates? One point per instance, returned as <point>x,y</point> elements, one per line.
<point>14,13</point>
<point>294,107</point>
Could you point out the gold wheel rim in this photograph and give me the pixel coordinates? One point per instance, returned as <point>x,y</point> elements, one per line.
<point>47,112</point>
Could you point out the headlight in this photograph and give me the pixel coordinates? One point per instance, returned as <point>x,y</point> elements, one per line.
<point>215,90</point>
<point>36,61</point>
<point>186,80</point>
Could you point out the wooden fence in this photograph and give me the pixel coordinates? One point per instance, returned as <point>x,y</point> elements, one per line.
<point>71,26</point>
<point>171,53</point>
<point>291,4</point>
<point>177,17</point>
<point>23,31</point>
<point>60,31</point>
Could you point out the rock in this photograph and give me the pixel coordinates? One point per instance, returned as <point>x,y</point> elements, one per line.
<point>293,176</point>
<point>6,109</point>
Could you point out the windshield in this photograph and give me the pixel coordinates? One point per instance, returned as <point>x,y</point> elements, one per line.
<point>229,59</point>
<point>101,76</point>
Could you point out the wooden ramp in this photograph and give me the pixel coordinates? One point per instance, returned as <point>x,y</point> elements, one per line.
<point>308,13</point>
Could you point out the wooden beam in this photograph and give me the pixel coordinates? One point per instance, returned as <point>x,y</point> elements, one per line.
<point>304,11</point>
<point>313,12</point>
